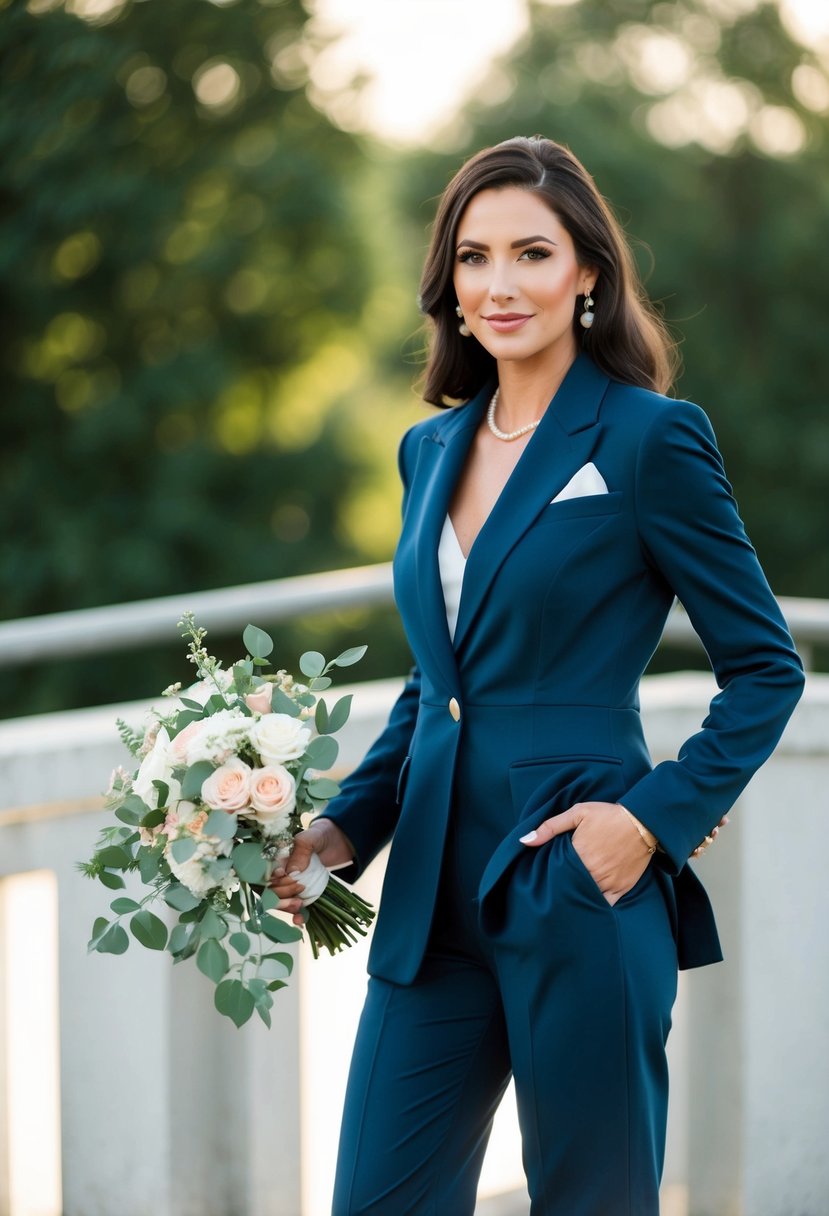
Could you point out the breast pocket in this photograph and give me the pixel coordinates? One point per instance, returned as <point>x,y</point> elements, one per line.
<point>584,507</point>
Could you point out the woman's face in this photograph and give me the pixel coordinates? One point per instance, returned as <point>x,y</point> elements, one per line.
<point>516,275</point>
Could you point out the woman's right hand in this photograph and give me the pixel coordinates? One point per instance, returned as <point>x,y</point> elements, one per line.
<point>331,845</point>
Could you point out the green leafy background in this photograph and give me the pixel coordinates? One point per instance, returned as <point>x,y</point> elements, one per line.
<point>209,338</point>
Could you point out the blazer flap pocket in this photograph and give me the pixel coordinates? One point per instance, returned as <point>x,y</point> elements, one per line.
<point>541,779</point>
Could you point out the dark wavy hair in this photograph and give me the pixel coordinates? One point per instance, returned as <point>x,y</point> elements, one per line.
<point>628,340</point>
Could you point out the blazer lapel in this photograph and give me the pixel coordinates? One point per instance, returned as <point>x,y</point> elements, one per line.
<point>440,460</point>
<point>563,441</point>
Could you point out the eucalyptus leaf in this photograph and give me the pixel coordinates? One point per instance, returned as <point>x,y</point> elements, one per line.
<point>257,643</point>
<point>114,882</point>
<point>339,714</point>
<point>281,956</point>
<point>122,905</point>
<point>258,989</point>
<point>185,716</point>
<point>127,815</point>
<point>270,969</point>
<point>149,930</point>
<point>212,960</point>
<point>234,1001</point>
<point>248,862</point>
<point>221,824</point>
<point>349,657</point>
<point>153,818</point>
<point>268,899</point>
<point>281,703</point>
<point>183,849</point>
<point>114,857</point>
<point>321,718</point>
<point>278,931</point>
<point>163,791</point>
<point>182,938</point>
<point>322,751</point>
<point>312,663</point>
<point>98,930</point>
<point>323,787</point>
<point>265,1015</point>
<point>148,864</point>
<point>133,803</point>
<point>240,943</point>
<point>320,683</point>
<point>212,925</point>
<point>114,941</point>
<point>181,898</point>
<point>195,778</point>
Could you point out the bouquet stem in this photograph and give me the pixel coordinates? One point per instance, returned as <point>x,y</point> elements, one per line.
<point>336,918</point>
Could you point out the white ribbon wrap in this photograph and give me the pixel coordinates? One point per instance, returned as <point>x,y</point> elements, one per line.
<point>314,878</point>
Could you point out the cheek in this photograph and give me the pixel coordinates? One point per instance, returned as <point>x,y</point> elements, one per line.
<point>557,292</point>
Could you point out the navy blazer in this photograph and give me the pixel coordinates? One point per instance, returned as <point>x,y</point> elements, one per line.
<point>535,700</point>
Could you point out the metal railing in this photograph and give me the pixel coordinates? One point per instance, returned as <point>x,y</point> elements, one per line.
<point>228,610</point>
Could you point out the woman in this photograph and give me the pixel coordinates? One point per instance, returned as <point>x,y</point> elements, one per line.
<point>537,900</point>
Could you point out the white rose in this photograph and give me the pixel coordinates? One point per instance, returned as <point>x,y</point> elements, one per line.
<point>157,765</point>
<point>221,736</point>
<point>279,738</point>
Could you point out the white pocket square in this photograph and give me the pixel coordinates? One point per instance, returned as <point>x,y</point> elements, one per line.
<point>588,480</point>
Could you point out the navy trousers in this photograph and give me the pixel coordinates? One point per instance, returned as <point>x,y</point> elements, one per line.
<point>579,1014</point>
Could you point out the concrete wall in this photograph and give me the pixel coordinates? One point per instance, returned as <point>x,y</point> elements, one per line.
<point>166,1109</point>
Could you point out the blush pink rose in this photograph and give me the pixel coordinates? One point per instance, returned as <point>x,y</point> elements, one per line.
<point>260,700</point>
<point>272,791</point>
<point>184,736</point>
<point>228,788</point>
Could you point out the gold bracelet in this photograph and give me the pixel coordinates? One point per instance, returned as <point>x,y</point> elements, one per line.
<point>640,828</point>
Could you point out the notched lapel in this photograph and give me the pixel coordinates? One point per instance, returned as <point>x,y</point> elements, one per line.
<point>440,458</point>
<point>563,441</point>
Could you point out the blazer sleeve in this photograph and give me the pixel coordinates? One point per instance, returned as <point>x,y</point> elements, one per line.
<point>691,532</point>
<point>367,807</point>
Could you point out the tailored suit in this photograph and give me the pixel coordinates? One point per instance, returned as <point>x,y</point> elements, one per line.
<point>510,957</point>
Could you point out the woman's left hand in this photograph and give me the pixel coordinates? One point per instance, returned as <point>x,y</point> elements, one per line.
<point>607,841</point>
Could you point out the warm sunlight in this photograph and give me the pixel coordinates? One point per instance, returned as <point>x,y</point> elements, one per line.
<point>425,56</point>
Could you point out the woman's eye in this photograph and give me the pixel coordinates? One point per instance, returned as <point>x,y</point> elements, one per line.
<point>471,256</point>
<point>535,253</point>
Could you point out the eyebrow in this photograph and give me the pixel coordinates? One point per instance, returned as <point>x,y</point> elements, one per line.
<point>525,240</point>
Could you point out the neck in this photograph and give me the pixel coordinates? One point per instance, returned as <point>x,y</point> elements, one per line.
<point>528,385</point>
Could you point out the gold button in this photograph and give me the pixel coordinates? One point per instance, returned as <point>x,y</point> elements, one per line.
<point>455,710</point>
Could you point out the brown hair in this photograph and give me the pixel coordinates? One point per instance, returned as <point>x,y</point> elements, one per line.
<point>628,340</point>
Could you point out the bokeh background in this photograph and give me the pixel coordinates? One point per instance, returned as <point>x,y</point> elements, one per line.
<point>212,220</point>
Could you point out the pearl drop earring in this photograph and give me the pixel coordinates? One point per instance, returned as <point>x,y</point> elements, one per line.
<point>463,328</point>
<point>586,317</point>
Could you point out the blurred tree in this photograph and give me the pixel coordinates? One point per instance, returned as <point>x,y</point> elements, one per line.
<point>180,267</point>
<point>707,129</point>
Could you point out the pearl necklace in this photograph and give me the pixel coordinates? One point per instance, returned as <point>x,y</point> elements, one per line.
<point>490,417</point>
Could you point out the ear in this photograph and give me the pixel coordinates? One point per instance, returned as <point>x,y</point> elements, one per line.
<point>589,279</point>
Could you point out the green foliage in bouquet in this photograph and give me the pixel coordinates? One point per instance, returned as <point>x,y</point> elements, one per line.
<point>229,773</point>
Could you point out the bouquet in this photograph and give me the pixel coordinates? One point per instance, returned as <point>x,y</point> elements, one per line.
<point>229,772</point>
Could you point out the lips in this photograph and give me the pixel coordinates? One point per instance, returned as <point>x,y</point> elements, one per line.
<point>507,322</point>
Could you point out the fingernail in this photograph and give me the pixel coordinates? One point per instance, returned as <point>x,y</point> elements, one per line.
<point>529,838</point>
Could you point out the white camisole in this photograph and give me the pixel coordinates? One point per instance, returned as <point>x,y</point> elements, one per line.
<point>452,566</point>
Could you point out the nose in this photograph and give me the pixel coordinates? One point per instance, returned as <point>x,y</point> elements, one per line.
<point>501,283</point>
